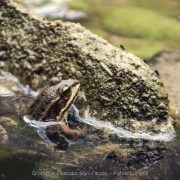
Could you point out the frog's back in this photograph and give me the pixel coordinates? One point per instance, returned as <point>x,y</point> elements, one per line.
<point>42,103</point>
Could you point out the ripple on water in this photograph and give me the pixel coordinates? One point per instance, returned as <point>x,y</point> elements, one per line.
<point>109,128</point>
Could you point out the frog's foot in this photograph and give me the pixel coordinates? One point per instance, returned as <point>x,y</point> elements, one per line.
<point>70,132</point>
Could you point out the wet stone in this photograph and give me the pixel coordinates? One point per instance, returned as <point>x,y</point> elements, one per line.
<point>7,121</point>
<point>3,135</point>
<point>142,159</point>
<point>114,158</point>
<point>42,147</point>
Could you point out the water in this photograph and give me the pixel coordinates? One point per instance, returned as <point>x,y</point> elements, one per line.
<point>94,123</point>
<point>122,133</point>
<point>41,129</point>
<point>105,151</point>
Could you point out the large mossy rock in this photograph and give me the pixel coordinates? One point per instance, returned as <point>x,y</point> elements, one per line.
<point>119,87</point>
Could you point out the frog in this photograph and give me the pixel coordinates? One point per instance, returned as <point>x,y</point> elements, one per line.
<point>54,102</point>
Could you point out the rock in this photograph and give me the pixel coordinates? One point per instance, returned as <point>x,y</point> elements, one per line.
<point>105,72</point>
<point>3,135</point>
<point>144,159</point>
<point>134,157</point>
<point>115,152</point>
<point>42,147</point>
<point>31,153</point>
<point>7,121</point>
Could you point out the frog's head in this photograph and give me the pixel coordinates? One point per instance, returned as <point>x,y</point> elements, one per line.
<point>67,91</point>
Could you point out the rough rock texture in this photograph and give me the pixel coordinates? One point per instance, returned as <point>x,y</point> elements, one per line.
<point>120,87</point>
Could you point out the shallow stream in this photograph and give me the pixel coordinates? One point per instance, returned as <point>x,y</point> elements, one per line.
<point>104,151</point>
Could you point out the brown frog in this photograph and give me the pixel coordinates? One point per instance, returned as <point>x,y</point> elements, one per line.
<point>54,102</point>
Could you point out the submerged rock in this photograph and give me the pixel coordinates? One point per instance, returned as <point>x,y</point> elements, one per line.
<point>119,87</point>
<point>3,135</point>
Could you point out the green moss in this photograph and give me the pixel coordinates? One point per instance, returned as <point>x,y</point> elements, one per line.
<point>139,22</point>
<point>5,154</point>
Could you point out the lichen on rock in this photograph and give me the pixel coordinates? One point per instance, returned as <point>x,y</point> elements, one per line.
<point>119,86</point>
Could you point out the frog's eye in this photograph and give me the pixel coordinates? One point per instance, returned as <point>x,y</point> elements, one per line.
<point>67,93</point>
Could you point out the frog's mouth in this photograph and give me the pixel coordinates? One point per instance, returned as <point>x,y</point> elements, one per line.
<point>74,91</point>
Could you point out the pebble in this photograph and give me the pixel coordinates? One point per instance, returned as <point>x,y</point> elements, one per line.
<point>3,135</point>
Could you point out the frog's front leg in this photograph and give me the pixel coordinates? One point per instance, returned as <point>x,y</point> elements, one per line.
<point>67,130</point>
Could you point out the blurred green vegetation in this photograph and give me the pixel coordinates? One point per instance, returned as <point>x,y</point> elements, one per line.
<point>144,27</point>
<point>79,5</point>
<point>141,23</point>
